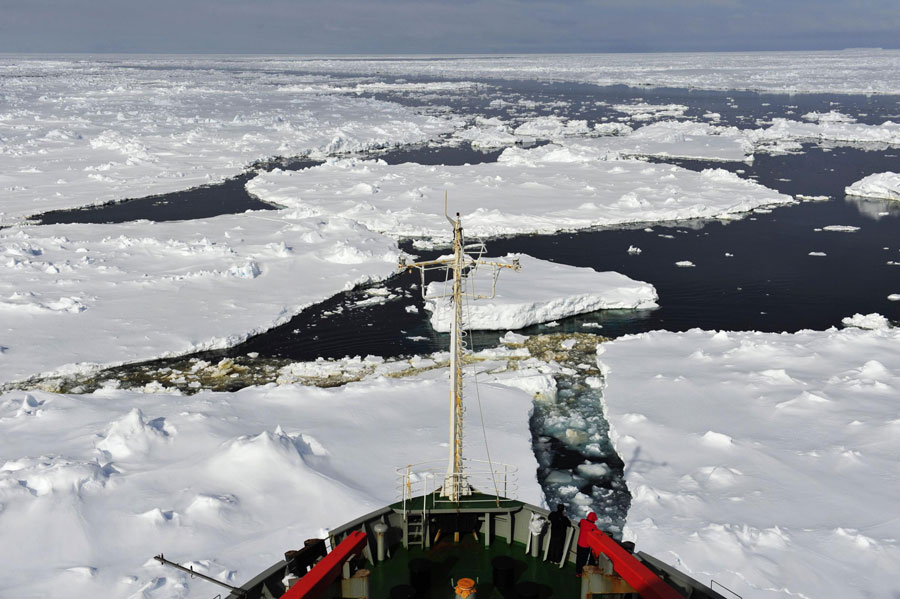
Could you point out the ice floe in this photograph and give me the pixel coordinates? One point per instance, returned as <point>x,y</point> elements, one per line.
<point>539,190</point>
<point>540,292</point>
<point>850,71</point>
<point>785,134</point>
<point>80,131</point>
<point>74,295</point>
<point>879,185</point>
<point>766,462</point>
<point>224,481</point>
<point>677,139</point>
<point>866,321</point>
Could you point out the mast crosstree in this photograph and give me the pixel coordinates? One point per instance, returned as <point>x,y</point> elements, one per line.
<point>462,264</point>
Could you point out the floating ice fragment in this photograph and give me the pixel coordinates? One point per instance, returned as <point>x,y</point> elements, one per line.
<point>818,254</point>
<point>522,300</point>
<point>879,185</point>
<point>828,117</point>
<point>841,228</point>
<point>685,264</point>
<point>634,250</point>
<point>593,470</point>
<point>873,321</point>
<point>894,297</point>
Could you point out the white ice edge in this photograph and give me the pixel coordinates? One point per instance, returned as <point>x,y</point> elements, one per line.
<point>884,186</point>
<point>749,456</point>
<point>82,295</point>
<point>541,291</point>
<point>558,187</point>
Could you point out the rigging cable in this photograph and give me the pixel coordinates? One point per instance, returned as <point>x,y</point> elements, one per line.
<point>487,449</point>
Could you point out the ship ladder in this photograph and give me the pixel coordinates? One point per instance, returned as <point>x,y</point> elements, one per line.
<point>414,529</point>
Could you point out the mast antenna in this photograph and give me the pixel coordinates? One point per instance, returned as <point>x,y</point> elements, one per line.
<point>462,264</point>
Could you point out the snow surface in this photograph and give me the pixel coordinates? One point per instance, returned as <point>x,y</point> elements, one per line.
<point>81,131</point>
<point>541,291</point>
<point>93,486</point>
<point>687,139</point>
<point>784,134</point>
<point>104,294</point>
<point>539,190</point>
<point>767,462</point>
<point>675,139</point>
<point>878,185</point>
<point>864,71</point>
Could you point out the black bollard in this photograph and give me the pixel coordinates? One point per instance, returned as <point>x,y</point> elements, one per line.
<point>527,590</point>
<point>403,591</point>
<point>503,572</point>
<point>420,576</point>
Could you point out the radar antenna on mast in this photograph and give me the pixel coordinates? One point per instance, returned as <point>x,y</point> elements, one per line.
<point>464,261</point>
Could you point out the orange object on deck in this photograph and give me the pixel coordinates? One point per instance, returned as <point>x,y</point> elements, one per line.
<point>465,587</point>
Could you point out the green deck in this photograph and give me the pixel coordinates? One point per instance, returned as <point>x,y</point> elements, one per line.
<point>471,559</point>
<point>476,502</point>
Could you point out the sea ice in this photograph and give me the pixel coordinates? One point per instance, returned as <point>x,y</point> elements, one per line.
<point>785,134</point>
<point>769,465</point>
<point>866,321</point>
<point>238,479</point>
<point>540,292</point>
<point>539,190</point>
<point>75,295</point>
<point>552,127</point>
<point>878,185</point>
<point>487,134</point>
<point>677,139</point>
<point>80,131</point>
<point>863,71</point>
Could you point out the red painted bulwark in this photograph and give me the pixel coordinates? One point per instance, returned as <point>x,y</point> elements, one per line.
<point>320,577</point>
<point>647,584</point>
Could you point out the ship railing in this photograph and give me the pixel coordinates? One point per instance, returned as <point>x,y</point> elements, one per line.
<point>422,480</point>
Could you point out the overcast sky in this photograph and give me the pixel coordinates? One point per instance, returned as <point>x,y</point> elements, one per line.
<point>445,26</point>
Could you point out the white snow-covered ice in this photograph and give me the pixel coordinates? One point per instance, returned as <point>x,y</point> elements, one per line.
<point>93,486</point>
<point>540,292</point>
<point>76,132</point>
<point>879,185</point>
<point>681,139</point>
<point>864,71</point>
<point>767,462</point>
<point>786,134</point>
<point>75,295</point>
<point>539,190</point>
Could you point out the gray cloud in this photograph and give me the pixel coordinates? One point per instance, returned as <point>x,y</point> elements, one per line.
<point>447,26</point>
